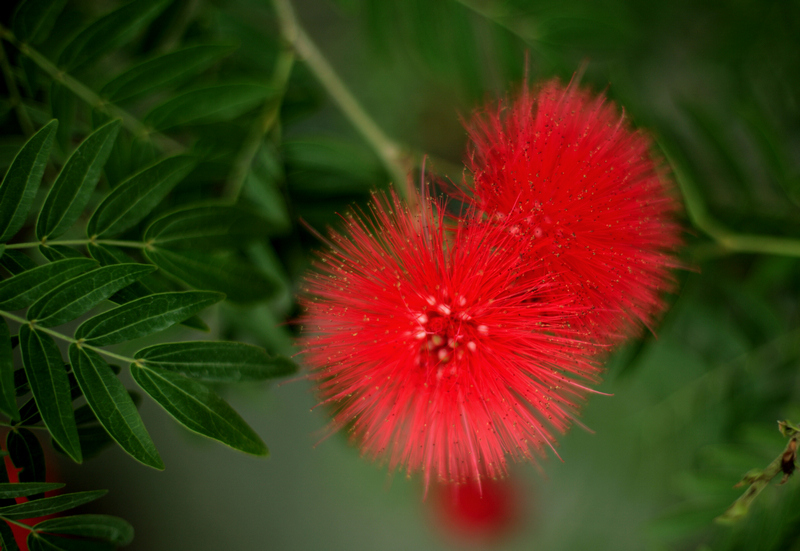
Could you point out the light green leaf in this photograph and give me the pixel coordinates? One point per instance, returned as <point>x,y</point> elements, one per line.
<point>23,489</point>
<point>198,408</point>
<point>144,316</point>
<point>215,103</point>
<point>50,387</point>
<point>216,361</point>
<point>25,288</point>
<point>49,505</point>
<point>73,187</point>
<point>77,296</point>
<point>207,227</point>
<point>112,405</point>
<point>223,272</point>
<point>7,540</point>
<point>174,67</point>
<point>102,527</point>
<point>22,180</point>
<point>134,198</point>
<point>34,19</point>
<point>8,397</point>
<point>108,33</point>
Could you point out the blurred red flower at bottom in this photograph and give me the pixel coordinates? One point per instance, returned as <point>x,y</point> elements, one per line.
<point>480,513</point>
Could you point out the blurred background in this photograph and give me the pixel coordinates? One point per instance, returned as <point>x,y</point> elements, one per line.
<point>694,405</point>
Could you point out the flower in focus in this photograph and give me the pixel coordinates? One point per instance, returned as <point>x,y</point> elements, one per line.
<point>563,168</point>
<point>427,350</point>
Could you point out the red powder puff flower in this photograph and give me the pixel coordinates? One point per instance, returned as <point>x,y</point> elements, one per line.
<point>564,166</point>
<point>479,513</point>
<point>428,352</point>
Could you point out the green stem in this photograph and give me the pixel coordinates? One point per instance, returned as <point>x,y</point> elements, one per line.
<point>130,122</point>
<point>13,92</point>
<point>394,159</point>
<point>728,240</point>
<point>67,338</point>
<point>29,427</point>
<point>264,122</point>
<point>110,242</point>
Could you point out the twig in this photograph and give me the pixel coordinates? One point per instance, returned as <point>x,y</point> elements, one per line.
<point>396,162</point>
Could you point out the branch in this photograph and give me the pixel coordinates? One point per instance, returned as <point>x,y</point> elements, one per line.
<point>130,122</point>
<point>395,160</point>
<point>758,479</point>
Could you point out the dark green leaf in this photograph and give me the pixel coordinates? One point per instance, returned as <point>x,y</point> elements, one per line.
<point>218,361</point>
<point>16,262</point>
<point>170,68</point>
<point>207,227</point>
<point>22,489</point>
<point>102,527</point>
<point>144,316</point>
<point>24,289</point>
<point>94,439</point>
<point>134,198</point>
<point>22,180</point>
<point>8,397</point>
<point>21,382</point>
<point>73,187</point>
<point>34,19</point>
<point>198,408</point>
<point>261,188</point>
<point>26,453</point>
<point>7,537</point>
<point>54,253</point>
<point>108,33</point>
<point>49,505</point>
<point>114,408</point>
<point>108,256</point>
<point>50,387</point>
<point>48,542</point>
<point>223,272</point>
<point>215,103</point>
<point>77,296</point>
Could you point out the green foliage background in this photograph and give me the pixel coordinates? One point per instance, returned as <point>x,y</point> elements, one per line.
<point>203,139</point>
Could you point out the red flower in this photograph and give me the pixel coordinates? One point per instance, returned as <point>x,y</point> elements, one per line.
<point>479,513</point>
<point>428,351</point>
<point>564,169</point>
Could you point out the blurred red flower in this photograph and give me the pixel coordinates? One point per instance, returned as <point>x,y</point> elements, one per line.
<point>564,170</point>
<point>479,513</point>
<point>428,350</point>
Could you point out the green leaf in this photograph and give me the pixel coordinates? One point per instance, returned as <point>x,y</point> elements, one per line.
<point>108,256</point>
<point>25,288</point>
<point>50,387</point>
<point>154,74</point>
<point>63,105</point>
<point>23,489</point>
<point>223,272</point>
<point>22,179</point>
<point>108,33</point>
<point>49,505</point>
<point>8,397</point>
<point>77,296</point>
<point>134,198</point>
<point>16,262</point>
<point>198,408</point>
<point>34,19</point>
<point>207,227</point>
<point>73,187</point>
<point>102,527</point>
<point>114,408</point>
<point>215,103</point>
<point>94,439</point>
<point>7,540</point>
<point>216,361</point>
<point>59,252</point>
<point>48,542</point>
<point>27,454</point>
<point>144,316</point>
